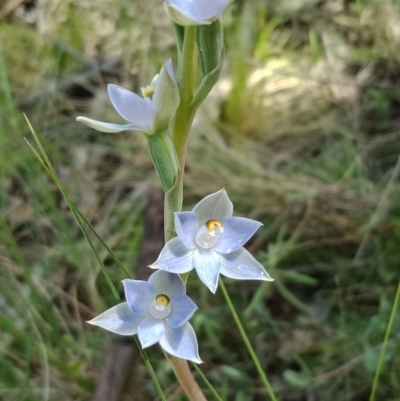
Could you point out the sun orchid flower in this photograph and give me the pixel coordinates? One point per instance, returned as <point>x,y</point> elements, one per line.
<point>157,310</point>
<point>195,12</point>
<point>150,113</point>
<point>211,241</point>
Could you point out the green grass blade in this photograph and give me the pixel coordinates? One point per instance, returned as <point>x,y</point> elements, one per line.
<point>46,163</point>
<point>385,341</point>
<point>291,298</point>
<point>6,99</point>
<point>72,204</point>
<point>208,384</point>
<point>111,253</point>
<point>7,238</point>
<point>246,340</point>
<point>45,358</point>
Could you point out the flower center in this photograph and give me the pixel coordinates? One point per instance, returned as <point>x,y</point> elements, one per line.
<point>208,235</point>
<point>148,91</point>
<point>160,307</point>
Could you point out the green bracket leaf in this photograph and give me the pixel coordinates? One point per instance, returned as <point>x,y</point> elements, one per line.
<point>210,42</point>
<point>163,155</point>
<point>180,35</point>
<point>206,85</point>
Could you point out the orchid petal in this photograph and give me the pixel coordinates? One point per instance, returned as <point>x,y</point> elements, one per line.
<point>132,107</point>
<point>207,265</point>
<point>139,295</point>
<point>181,342</point>
<point>151,329</point>
<point>236,232</point>
<point>241,265</point>
<point>186,227</point>
<point>119,319</point>
<point>216,206</point>
<point>182,309</point>
<point>183,18</point>
<point>197,12</point>
<point>170,68</point>
<point>167,284</point>
<point>174,257</point>
<point>165,99</point>
<point>109,128</point>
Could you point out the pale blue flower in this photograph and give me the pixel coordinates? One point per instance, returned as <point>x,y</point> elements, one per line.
<point>211,241</point>
<point>150,113</point>
<point>157,310</point>
<point>195,12</point>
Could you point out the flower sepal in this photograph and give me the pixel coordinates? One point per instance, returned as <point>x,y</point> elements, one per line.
<point>165,98</point>
<point>150,113</point>
<point>195,12</point>
<point>210,240</point>
<point>157,311</point>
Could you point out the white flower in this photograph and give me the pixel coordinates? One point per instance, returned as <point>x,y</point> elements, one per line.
<point>150,113</point>
<point>211,241</point>
<point>195,12</point>
<point>158,311</point>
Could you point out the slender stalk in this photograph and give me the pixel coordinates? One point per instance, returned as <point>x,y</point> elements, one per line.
<point>150,369</point>
<point>385,341</point>
<point>209,385</point>
<point>179,130</point>
<point>186,379</point>
<point>172,203</point>
<point>246,340</point>
<point>182,122</point>
<point>48,166</point>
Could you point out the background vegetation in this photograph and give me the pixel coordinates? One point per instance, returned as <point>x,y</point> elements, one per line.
<point>303,132</point>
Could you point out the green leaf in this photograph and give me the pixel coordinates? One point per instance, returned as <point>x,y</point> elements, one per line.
<point>205,87</point>
<point>210,42</point>
<point>299,278</point>
<point>234,373</point>
<point>163,155</point>
<point>297,379</point>
<point>180,35</point>
<point>370,358</point>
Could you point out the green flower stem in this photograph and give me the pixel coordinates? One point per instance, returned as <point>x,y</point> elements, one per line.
<point>385,341</point>
<point>180,129</point>
<point>172,203</point>
<point>246,340</point>
<point>181,124</point>
<point>182,121</point>
<point>188,66</point>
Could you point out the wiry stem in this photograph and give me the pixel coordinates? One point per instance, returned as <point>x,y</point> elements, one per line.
<point>182,122</point>
<point>186,379</point>
<point>385,341</point>
<point>180,129</point>
<point>180,126</point>
<point>246,340</point>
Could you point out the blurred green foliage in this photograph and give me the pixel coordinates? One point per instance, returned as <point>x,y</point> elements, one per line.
<point>303,132</point>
